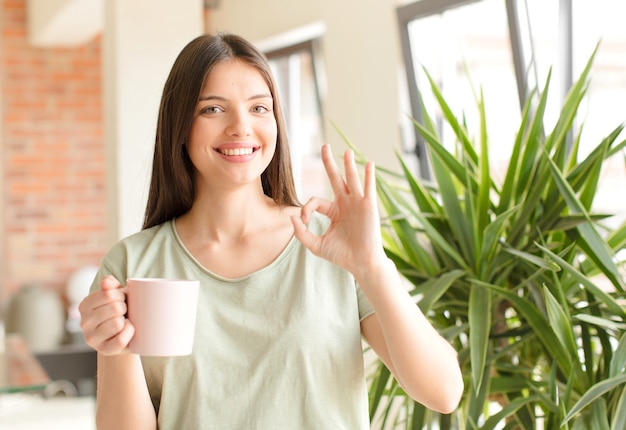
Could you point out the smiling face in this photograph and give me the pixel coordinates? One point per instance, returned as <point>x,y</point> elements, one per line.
<point>234,131</point>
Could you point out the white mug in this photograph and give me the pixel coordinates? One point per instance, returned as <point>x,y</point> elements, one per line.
<point>163,312</point>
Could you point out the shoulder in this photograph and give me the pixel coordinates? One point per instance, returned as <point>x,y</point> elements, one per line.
<point>144,238</point>
<point>141,246</point>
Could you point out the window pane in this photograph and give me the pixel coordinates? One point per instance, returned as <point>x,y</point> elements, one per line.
<point>295,78</point>
<point>605,107</point>
<point>470,43</point>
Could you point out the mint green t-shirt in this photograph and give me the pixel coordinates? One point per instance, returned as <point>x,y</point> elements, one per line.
<point>277,349</point>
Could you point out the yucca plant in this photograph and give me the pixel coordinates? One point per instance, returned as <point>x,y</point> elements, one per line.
<point>511,275</point>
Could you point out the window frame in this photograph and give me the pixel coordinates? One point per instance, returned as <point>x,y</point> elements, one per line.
<point>523,64</point>
<point>311,46</point>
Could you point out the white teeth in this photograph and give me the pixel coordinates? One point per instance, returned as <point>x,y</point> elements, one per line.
<point>237,151</point>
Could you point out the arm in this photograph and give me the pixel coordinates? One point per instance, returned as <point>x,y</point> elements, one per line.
<point>424,363</point>
<point>122,398</point>
<point>421,360</point>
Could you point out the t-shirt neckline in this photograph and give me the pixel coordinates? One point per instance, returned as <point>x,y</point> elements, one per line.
<point>277,261</point>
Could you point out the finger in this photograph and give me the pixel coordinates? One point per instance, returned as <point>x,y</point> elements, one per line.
<point>103,322</point>
<point>98,332</point>
<point>110,310</point>
<point>101,329</point>
<point>108,329</point>
<point>110,283</point>
<point>332,171</point>
<point>100,298</point>
<point>352,174</point>
<point>315,204</point>
<point>110,290</point>
<point>370,180</point>
<point>310,241</point>
<point>118,343</point>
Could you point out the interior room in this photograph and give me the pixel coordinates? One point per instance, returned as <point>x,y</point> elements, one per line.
<point>80,87</point>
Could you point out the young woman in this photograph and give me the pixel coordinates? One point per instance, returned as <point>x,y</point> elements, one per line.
<point>287,291</point>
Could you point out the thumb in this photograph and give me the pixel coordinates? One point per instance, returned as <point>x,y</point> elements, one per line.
<point>110,283</point>
<point>308,239</point>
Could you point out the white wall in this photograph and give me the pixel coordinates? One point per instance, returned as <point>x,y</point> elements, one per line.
<point>141,40</point>
<point>67,23</point>
<point>362,58</point>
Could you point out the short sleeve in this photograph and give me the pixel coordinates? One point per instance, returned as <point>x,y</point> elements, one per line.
<point>365,307</point>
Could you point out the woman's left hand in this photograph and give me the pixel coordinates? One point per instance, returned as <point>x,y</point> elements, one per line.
<point>424,363</point>
<point>353,240</point>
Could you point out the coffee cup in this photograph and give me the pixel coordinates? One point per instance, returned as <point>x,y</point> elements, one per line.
<point>163,312</point>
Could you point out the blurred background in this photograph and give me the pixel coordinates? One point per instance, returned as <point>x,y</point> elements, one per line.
<point>81,81</point>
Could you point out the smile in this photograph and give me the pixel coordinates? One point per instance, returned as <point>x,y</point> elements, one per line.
<point>236,151</point>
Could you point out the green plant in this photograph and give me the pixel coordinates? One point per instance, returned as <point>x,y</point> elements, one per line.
<point>510,274</point>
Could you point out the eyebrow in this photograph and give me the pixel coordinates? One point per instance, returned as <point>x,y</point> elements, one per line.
<point>254,97</point>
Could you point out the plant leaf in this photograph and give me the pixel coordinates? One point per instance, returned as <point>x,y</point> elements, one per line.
<point>508,410</point>
<point>606,299</point>
<point>434,288</point>
<point>618,362</point>
<point>539,324</point>
<point>598,251</point>
<point>594,393</point>
<point>480,326</point>
<point>619,419</point>
<point>600,322</point>
<point>560,323</point>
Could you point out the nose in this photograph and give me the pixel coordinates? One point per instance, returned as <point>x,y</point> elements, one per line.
<point>239,123</point>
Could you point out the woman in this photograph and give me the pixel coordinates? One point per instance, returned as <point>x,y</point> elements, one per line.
<point>287,291</point>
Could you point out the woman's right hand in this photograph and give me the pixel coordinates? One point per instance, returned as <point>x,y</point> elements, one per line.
<point>103,318</point>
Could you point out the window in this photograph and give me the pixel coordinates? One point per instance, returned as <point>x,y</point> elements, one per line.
<point>297,76</point>
<point>507,48</point>
<point>451,51</point>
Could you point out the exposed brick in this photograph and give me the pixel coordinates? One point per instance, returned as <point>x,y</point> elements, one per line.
<point>53,169</point>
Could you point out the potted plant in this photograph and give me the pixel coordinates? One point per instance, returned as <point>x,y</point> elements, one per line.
<point>510,274</point>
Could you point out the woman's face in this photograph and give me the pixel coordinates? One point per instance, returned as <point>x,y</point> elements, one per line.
<point>233,135</point>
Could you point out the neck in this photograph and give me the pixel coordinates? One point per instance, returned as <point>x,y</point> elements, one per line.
<point>227,215</point>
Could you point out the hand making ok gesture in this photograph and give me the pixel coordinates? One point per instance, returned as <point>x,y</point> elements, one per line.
<point>353,240</point>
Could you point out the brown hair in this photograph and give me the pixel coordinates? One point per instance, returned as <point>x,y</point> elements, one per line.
<point>172,184</point>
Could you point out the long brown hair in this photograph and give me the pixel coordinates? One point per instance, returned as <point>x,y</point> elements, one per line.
<point>172,184</point>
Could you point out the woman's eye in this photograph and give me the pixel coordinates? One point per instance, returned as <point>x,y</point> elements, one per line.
<point>260,109</point>
<point>211,109</point>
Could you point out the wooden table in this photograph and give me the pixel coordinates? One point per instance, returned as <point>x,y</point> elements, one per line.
<point>19,369</point>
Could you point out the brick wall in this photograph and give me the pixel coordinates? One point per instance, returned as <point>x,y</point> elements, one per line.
<point>51,137</point>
